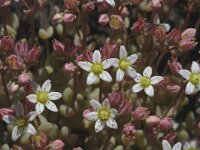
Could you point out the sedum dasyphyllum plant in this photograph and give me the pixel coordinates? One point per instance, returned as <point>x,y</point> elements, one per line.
<point>99,75</point>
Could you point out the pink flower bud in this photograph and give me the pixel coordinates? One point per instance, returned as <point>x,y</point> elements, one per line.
<point>69,67</point>
<point>139,25</point>
<point>21,49</point>
<point>71,4</point>
<point>16,147</point>
<point>173,88</point>
<point>115,98</point>
<point>5,111</point>
<point>58,47</point>
<point>125,108</point>
<point>155,4</point>
<point>69,18</point>
<point>7,44</point>
<point>174,65</point>
<point>89,6</point>
<point>187,44</point>
<point>174,36</point>
<point>103,19</point>
<point>86,111</point>
<point>170,137</point>
<point>39,140</point>
<point>4,3</point>
<point>188,33</point>
<point>152,120</point>
<point>160,34</point>
<point>140,113</point>
<point>165,123</point>
<point>116,22</point>
<point>124,12</point>
<point>24,78</point>
<point>33,55</point>
<point>15,62</point>
<point>108,50</point>
<point>57,18</point>
<point>57,145</point>
<point>129,131</point>
<point>136,2</point>
<point>77,148</point>
<point>12,87</point>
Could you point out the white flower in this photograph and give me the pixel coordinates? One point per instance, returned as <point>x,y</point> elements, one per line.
<point>21,122</point>
<point>103,115</point>
<point>124,64</point>
<point>97,68</point>
<point>192,77</point>
<point>190,145</point>
<point>111,2</point>
<point>146,81</point>
<point>167,146</point>
<point>43,97</point>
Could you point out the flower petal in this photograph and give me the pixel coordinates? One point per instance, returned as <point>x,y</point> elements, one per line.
<point>106,103</point>
<point>166,145</point>
<point>105,76</point>
<point>92,78</point>
<point>113,113</point>
<point>156,79</point>
<point>137,88</point>
<point>39,107</point>
<point>95,104</point>
<point>54,95</point>
<point>51,106</point>
<point>122,52</point>
<point>16,133</point>
<point>19,110</point>
<point>111,2</point>
<point>99,125</point>
<point>149,90</point>
<point>190,88</point>
<point>132,58</point>
<point>195,67</point>
<point>85,65</point>
<point>185,74</point>
<point>116,63</point>
<point>31,115</point>
<point>112,123</point>
<point>32,98</point>
<point>147,72</point>
<point>177,146</point>
<point>119,75</point>
<point>131,72</point>
<point>46,86</point>
<point>9,119</point>
<point>96,57</point>
<point>30,129</point>
<point>108,63</point>
<point>92,116</point>
<point>137,77</point>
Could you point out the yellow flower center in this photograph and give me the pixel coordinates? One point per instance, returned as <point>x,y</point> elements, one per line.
<point>97,68</point>
<point>42,97</point>
<point>104,114</point>
<point>124,64</point>
<point>21,122</point>
<point>145,81</point>
<point>195,78</point>
<point>115,23</point>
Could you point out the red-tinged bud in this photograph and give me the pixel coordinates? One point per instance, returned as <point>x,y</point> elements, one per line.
<point>173,88</point>
<point>7,44</point>
<point>129,131</point>
<point>33,55</point>
<point>12,87</point>
<point>87,56</point>
<point>58,47</point>
<point>89,7</point>
<point>15,62</point>
<point>125,108</point>
<point>160,34</point>
<point>39,140</point>
<point>150,28</point>
<point>170,137</point>
<point>166,123</point>
<point>174,65</point>
<point>57,145</point>
<point>57,18</point>
<point>71,4</point>
<point>188,33</point>
<point>152,120</point>
<point>69,18</point>
<point>16,147</point>
<point>115,98</point>
<point>116,22</point>
<point>156,4</point>
<point>24,78</point>
<point>21,49</point>
<point>139,25</point>
<point>174,36</point>
<point>140,113</point>
<point>187,44</point>
<point>162,83</point>
<point>136,2</point>
<point>103,19</point>
<point>4,3</point>
<point>108,50</point>
<point>5,111</point>
<point>69,67</point>
<point>151,131</point>
<point>77,148</point>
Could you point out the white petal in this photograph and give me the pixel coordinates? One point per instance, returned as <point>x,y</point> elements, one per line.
<point>185,74</point>
<point>122,52</point>
<point>54,95</point>
<point>116,63</point>
<point>46,86</point>
<point>112,123</point>
<point>32,115</point>
<point>137,88</point>
<point>99,125</point>
<point>100,1</point>
<point>92,78</point>
<point>166,145</point>
<point>132,58</point>
<point>96,57</point>
<point>149,90</point>
<point>105,76</point>
<point>119,75</point>
<point>19,110</point>
<point>147,72</point>
<point>39,107</point>
<point>92,116</point>
<point>137,77</point>
<point>16,133</point>
<point>131,72</point>
<point>106,103</point>
<point>85,65</point>
<point>108,63</point>
<point>177,146</point>
<point>113,113</point>
<point>198,87</point>
<point>32,98</point>
<point>9,119</point>
<point>156,79</point>
<point>111,2</point>
<point>95,104</point>
<point>195,67</point>
<point>30,129</point>
<point>51,106</point>
<point>190,88</point>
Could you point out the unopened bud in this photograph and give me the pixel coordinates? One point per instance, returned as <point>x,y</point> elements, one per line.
<point>15,62</point>
<point>58,47</point>
<point>33,55</point>
<point>129,130</point>
<point>7,44</point>
<point>69,18</point>
<point>166,123</point>
<point>188,33</point>
<point>16,147</point>
<point>173,88</point>
<point>89,7</point>
<point>174,65</point>
<point>71,4</point>
<point>103,19</point>
<point>152,120</point>
<point>69,67</point>
<point>174,36</point>
<point>24,78</point>
<point>139,25</point>
<point>160,34</point>
<point>115,98</point>
<point>125,108</point>
<point>57,145</point>
<point>155,4</point>
<point>57,18</point>
<point>39,140</point>
<point>140,113</point>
